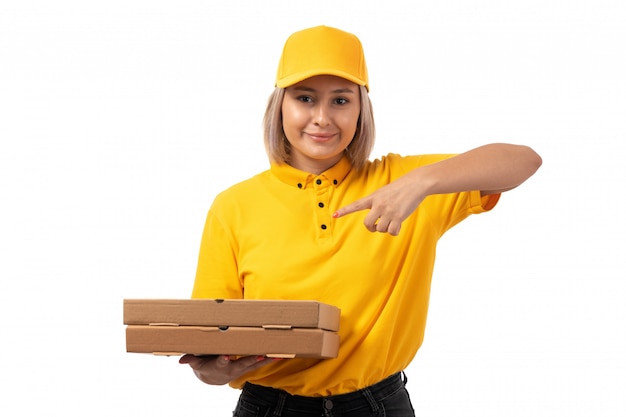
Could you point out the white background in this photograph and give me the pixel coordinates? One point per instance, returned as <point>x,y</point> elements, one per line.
<point>121,120</point>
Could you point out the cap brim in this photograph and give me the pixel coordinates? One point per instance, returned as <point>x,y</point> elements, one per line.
<point>301,76</point>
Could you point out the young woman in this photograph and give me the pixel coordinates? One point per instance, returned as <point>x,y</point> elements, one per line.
<point>326,223</point>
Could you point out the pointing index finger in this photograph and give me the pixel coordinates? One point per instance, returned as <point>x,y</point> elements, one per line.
<point>358,205</point>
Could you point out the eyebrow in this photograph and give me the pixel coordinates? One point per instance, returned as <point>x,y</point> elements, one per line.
<point>337,91</point>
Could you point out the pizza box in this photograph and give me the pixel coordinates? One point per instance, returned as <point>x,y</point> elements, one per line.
<point>232,312</point>
<point>240,341</point>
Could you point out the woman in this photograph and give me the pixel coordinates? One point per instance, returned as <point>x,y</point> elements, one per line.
<point>325,223</point>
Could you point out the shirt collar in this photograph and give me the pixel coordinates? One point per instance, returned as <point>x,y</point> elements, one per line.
<point>300,179</point>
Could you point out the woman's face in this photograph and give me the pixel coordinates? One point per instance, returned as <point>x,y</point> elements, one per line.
<point>320,116</point>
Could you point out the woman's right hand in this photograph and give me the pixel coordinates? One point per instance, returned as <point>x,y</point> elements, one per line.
<point>220,370</point>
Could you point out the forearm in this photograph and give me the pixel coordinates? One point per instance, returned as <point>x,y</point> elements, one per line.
<point>491,169</point>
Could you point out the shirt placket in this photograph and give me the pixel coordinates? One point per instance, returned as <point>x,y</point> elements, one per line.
<point>321,186</point>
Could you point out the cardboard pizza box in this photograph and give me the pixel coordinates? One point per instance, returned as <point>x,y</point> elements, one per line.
<point>240,341</point>
<point>232,312</point>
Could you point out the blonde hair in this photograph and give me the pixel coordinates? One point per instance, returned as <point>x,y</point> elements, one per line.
<point>277,146</point>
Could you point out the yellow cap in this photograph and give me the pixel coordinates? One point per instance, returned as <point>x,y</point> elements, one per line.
<point>322,50</point>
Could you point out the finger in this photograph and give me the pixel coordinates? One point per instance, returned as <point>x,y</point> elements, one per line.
<point>260,363</point>
<point>250,363</point>
<point>394,228</point>
<point>222,361</point>
<point>197,362</point>
<point>185,359</point>
<point>382,225</point>
<point>247,361</point>
<point>371,221</point>
<point>362,204</point>
<point>193,360</point>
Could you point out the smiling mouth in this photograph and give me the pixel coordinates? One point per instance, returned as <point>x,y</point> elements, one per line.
<point>320,137</point>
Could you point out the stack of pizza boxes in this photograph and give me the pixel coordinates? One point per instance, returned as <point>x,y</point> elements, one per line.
<point>273,328</point>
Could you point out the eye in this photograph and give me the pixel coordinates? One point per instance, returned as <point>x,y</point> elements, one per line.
<point>341,100</point>
<point>305,99</point>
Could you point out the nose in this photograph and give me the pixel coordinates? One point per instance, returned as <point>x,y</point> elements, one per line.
<point>321,115</point>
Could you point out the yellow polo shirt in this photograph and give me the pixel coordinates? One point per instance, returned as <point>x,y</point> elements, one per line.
<point>273,237</point>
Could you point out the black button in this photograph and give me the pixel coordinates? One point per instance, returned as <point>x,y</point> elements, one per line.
<point>321,205</point>
<point>323,227</point>
<point>318,182</point>
<point>299,185</point>
<point>335,182</point>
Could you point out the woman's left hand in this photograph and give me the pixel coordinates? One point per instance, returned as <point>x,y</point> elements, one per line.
<point>388,206</point>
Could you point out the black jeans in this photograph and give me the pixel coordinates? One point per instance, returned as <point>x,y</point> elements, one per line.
<point>388,398</point>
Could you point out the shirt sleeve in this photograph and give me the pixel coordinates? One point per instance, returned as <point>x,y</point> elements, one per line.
<point>480,204</point>
<point>217,273</point>
<point>445,210</point>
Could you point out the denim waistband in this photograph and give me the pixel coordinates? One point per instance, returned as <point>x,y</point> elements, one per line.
<point>368,397</point>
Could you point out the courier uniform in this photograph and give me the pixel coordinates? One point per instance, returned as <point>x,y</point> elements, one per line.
<point>273,237</point>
